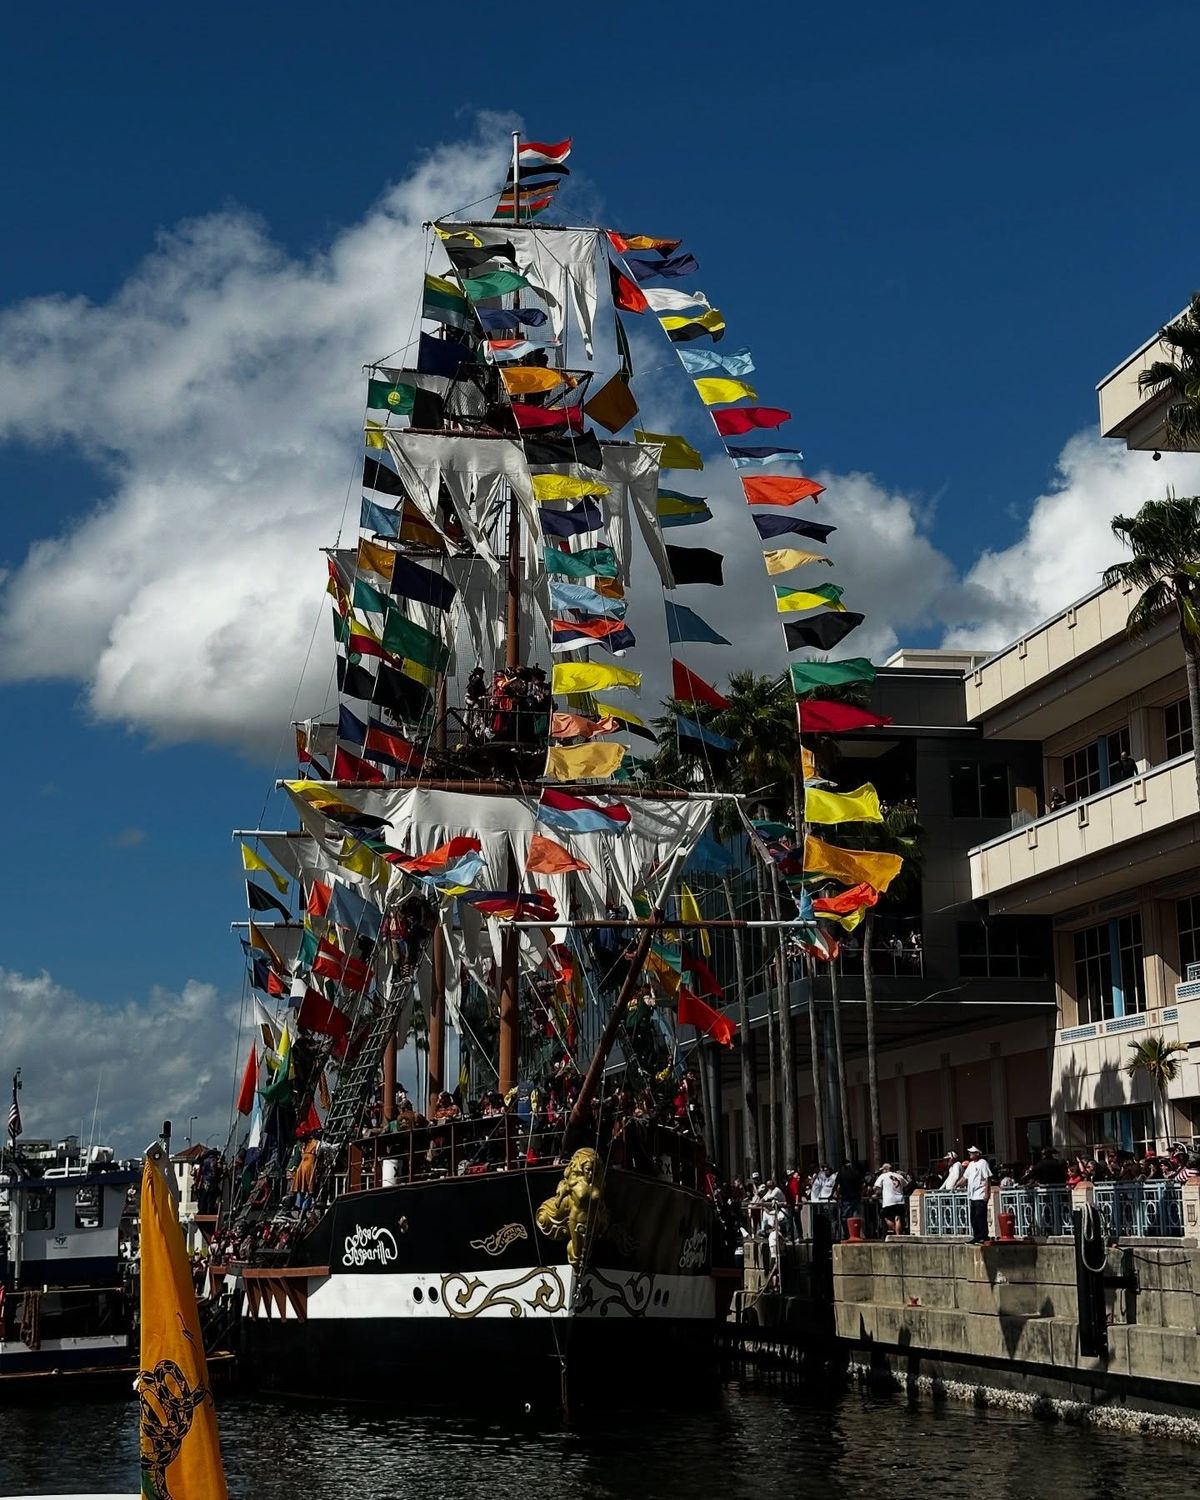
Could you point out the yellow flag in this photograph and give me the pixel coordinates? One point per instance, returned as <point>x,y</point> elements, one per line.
<point>252,861</point>
<point>595,760</point>
<point>258,939</point>
<point>713,321</point>
<point>607,709</point>
<point>689,911</point>
<point>848,920</point>
<point>446,288</point>
<point>418,673</point>
<point>458,234</point>
<point>180,1449</point>
<point>676,454</point>
<point>800,599</point>
<point>861,806</point>
<point>714,389</point>
<point>523,380</point>
<point>665,976</point>
<point>784,559</point>
<point>851,866</point>
<point>563,487</point>
<point>373,432</point>
<point>808,764</point>
<point>586,677</point>
<point>364,861</point>
<point>374,557</point>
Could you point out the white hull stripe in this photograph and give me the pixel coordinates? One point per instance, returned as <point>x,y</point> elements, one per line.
<point>525,1292</point>
<point>15,1347</point>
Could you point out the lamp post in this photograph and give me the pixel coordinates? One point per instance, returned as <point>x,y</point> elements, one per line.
<point>191,1121</point>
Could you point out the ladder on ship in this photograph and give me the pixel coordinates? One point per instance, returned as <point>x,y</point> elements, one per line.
<point>354,1090</point>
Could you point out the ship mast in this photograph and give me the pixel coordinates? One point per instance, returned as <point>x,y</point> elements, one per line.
<point>507,1059</point>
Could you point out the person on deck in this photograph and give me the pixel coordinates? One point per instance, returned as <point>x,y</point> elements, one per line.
<point>849,1188</point>
<point>977,1179</point>
<point>954,1172</point>
<point>890,1186</point>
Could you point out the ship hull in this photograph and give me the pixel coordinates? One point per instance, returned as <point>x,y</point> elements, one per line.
<point>449,1293</point>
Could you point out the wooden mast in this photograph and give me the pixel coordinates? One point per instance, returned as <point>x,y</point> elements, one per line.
<point>512,659</point>
<point>436,1020</point>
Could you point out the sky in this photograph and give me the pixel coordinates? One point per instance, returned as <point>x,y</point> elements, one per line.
<point>937,227</point>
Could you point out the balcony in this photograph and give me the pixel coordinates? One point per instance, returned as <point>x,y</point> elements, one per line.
<point>1073,665</point>
<point>1136,832</point>
<point>1125,411</point>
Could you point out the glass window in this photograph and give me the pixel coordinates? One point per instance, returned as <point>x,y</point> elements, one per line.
<point>1187,917</point>
<point>1177,728</point>
<point>1110,970</point>
<point>89,1207</point>
<point>890,1146</point>
<point>1004,948</point>
<point>1081,772</point>
<point>983,1136</point>
<point>39,1209</point>
<point>979,789</point>
<point>931,1147</point>
<point>1119,761</point>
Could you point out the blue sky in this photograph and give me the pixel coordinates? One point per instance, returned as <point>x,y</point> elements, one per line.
<point>937,227</point>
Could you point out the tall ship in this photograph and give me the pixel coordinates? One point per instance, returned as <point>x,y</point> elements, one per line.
<point>490,853</point>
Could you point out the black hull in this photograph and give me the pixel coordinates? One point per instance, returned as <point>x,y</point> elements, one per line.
<point>449,1293</point>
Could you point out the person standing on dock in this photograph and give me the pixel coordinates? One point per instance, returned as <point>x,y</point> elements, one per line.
<point>977,1180</point>
<point>954,1172</point>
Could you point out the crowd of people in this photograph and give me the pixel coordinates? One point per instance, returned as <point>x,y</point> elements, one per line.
<point>513,708</point>
<point>879,1197</point>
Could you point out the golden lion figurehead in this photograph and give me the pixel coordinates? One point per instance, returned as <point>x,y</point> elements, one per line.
<point>576,1212</point>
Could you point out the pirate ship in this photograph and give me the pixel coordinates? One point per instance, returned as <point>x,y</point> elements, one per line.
<point>483,861</point>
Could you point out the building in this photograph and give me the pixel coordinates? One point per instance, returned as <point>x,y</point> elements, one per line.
<point>965,1016</point>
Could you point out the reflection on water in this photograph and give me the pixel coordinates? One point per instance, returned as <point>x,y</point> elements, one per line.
<point>758,1442</point>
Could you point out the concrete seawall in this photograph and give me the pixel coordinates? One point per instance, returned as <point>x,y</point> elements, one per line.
<point>1001,1317</point>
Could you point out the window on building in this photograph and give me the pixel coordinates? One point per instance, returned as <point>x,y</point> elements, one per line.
<point>979,789</point>
<point>1093,767</point>
<point>890,1146</point>
<point>1177,729</point>
<point>89,1207</point>
<point>1034,1135</point>
<point>1130,1128</point>
<point>1187,917</point>
<point>1110,970</point>
<point>983,1136</point>
<point>931,1147</point>
<point>1004,948</point>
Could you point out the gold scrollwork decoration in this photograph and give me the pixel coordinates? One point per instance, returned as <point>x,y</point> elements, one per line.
<point>576,1212</point>
<point>631,1295</point>
<point>496,1244</point>
<point>538,1291</point>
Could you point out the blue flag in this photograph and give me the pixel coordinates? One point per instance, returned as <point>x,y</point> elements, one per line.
<point>586,516</point>
<point>697,361</point>
<point>584,601</point>
<point>510,320</point>
<point>708,858</point>
<point>377,518</point>
<point>743,457</point>
<point>689,730</point>
<point>685,624</point>
<point>348,909</point>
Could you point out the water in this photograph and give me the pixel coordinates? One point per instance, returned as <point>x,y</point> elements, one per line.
<point>758,1442</point>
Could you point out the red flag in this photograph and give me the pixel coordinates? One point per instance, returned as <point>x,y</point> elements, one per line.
<point>779,489</point>
<point>820,716</point>
<point>693,1012</point>
<point>347,767</point>
<point>549,858</point>
<point>310,1122</point>
<point>846,901</point>
<point>688,688</point>
<point>623,242</point>
<point>321,1015</point>
<point>627,295</point>
<point>530,418</point>
<point>245,1098</point>
<point>332,963</point>
<point>738,419</point>
<point>318,899</point>
<point>443,855</point>
<point>702,976</point>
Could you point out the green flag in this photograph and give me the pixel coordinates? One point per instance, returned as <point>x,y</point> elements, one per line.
<point>808,676</point>
<point>370,599</point>
<point>414,642</point>
<point>597,562</point>
<point>395,398</point>
<point>493,284</point>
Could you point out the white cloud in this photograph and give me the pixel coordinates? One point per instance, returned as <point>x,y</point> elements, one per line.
<point>166,1057</point>
<point>1067,541</point>
<point>220,389</point>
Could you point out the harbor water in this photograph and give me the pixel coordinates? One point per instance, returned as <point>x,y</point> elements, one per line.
<point>758,1441</point>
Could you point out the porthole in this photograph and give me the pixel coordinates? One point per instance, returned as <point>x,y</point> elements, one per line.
<point>418,1294</point>
<point>433,1295</point>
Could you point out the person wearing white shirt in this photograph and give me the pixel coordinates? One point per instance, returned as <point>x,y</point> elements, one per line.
<point>822,1185</point>
<point>954,1174</point>
<point>890,1187</point>
<point>977,1179</point>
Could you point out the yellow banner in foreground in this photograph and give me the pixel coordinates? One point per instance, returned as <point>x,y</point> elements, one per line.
<point>587,677</point>
<point>851,866</point>
<point>597,760</point>
<point>861,806</point>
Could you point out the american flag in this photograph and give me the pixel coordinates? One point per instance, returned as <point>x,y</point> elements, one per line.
<point>14,1114</point>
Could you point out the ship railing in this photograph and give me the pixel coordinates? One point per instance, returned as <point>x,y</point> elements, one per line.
<point>461,1148</point>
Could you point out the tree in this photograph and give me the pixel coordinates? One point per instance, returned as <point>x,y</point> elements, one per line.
<point>1179,377</point>
<point>1164,538</point>
<point>899,833</point>
<point>1158,1060</point>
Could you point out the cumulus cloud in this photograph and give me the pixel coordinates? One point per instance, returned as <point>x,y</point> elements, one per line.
<point>1067,540</point>
<point>165,1057</point>
<point>219,391</point>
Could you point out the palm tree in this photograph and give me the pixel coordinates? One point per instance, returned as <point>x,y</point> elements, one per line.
<point>1179,377</point>
<point>1158,1060</point>
<point>900,833</point>
<point>1164,538</point>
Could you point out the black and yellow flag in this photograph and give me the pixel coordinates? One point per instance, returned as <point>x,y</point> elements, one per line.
<point>180,1450</point>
